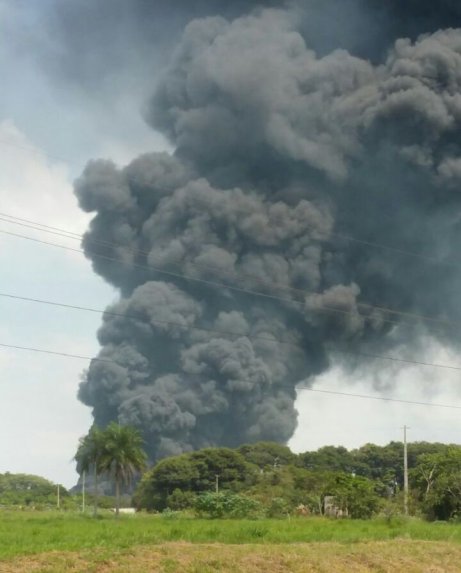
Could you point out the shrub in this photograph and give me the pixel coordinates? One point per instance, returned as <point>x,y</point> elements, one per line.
<point>227,504</point>
<point>278,507</point>
<point>180,500</point>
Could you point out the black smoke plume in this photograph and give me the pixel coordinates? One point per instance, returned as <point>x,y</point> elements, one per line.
<point>284,146</point>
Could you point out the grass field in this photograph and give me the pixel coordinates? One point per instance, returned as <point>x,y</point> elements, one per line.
<point>53,542</point>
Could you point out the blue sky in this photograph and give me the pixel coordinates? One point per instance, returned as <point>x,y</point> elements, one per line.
<point>48,130</point>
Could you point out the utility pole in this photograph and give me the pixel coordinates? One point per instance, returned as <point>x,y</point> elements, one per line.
<point>217,483</point>
<point>405,470</point>
<point>83,491</point>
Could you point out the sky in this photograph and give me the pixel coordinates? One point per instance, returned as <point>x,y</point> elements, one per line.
<point>49,128</point>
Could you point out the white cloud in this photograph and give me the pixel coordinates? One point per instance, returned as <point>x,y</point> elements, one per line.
<point>40,416</point>
<point>352,421</point>
<point>33,186</point>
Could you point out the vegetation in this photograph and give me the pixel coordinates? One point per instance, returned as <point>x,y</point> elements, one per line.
<point>359,483</point>
<point>250,490</point>
<point>259,480</point>
<point>115,451</point>
<point>88,457</point>
<point>65,541</point>
<point>24,490</point>
<point>437,483</point>
<point>404,555</point>
<point>25,533</point>
<point>29,492</point>
<point>122,456</point>
<point>227,504</point>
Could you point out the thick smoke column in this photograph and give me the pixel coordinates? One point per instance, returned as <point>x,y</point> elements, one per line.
<point>280,150</point>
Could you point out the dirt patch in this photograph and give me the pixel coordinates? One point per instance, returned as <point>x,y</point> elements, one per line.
<point>382,557</point>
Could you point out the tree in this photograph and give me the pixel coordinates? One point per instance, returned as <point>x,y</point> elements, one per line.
<point>355,494</point>
<point>26,489</point>
<point>229,465</point>
<point>268,455</point>
<point>328,458</point>
<point>122,456</point>
<point>89,457</point>
<point>311,487</point>
<point>167,476</point>
<point>437,480</point>
<point>193,472</point>
<point>384,463</point>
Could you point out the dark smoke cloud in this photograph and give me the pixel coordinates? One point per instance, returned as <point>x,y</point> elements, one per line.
<point>368,28</point>
<point>109,40</point>
<point>279,152</point>
<point>416,17</point>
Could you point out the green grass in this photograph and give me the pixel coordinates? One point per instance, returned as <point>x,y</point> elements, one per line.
<point>31,533</point>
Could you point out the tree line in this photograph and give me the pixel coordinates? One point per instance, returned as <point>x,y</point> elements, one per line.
<point>25,490</point>
<point>362,482</point>
<point>264,478</point>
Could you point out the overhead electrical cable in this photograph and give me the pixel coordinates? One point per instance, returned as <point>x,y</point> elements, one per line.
<point>54,352</point>
<point>322,308</point>
<point>71,235</point>
<point>369,307</point>
<point>149,319</point>
<point>36,151</point>
<point>381,398</point>
<point>300,387</point>
<point>342,236</point>
<point>226,333</point>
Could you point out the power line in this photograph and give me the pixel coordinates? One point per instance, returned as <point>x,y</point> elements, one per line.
<point>54,353</point>
<point>224,332</point>
<point>40,227</point>
<point>70,235</point>
<point>213,284</point>
<point>150,319</point>
<point>36,151</point>
<point>396,250</point>
<point>395,359</point>
<point>342,236</point>
<point>303,388</point>
<point>322,308</point>
<point>381,398</point>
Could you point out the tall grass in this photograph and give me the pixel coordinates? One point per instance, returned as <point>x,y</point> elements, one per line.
<point>29,533</point>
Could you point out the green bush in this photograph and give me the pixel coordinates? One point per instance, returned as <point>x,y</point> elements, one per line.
<point>227,504</point>
<point>356,495</point>
<point>170,514</point>
<point>279,507</point>
<point>180,500</point>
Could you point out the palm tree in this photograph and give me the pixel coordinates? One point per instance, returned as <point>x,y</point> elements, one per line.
<point>122,456</point>
<point>89,456</point>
